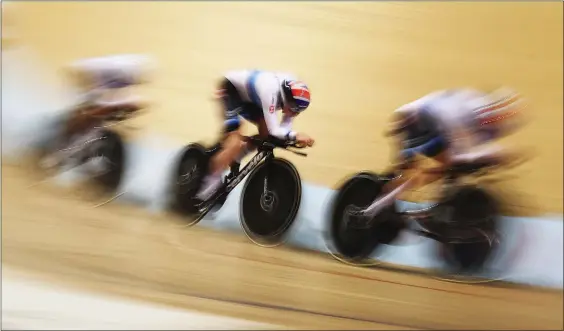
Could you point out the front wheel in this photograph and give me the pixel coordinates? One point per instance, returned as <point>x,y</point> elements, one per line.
<point>270,201</point>
<point>355,238</point>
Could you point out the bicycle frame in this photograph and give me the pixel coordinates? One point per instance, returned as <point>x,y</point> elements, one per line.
<point>373,209</point>
<point>265,150</point>
<point>91,134</point>
<point>449,179</point>
<point>227,187</point>
<point>251,165</point>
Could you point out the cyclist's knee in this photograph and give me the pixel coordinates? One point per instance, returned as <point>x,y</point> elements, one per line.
<point>445,157</point>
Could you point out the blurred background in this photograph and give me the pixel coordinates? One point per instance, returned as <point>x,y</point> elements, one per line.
<point>361,61</point>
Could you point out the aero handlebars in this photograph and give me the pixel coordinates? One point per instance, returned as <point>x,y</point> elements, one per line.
<point>272,142</point>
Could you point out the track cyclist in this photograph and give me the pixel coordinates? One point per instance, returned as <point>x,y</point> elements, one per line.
<point>104,89</point>
<point>255,96</point>
<point>457,126</point>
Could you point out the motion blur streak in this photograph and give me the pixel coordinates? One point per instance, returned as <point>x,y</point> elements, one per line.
<point>32,304</point>
<point>382,55</point>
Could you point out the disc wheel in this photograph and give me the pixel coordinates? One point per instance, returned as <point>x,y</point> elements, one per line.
<point>351,238</point>
<point>469,223</point>
<point>270,202</point>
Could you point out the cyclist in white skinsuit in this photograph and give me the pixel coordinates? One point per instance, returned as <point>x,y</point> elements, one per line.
<point>454,122</point>
<point>103,86</point>
<point>255,96</point>
<point>452,126</point>
<point>262,89</point>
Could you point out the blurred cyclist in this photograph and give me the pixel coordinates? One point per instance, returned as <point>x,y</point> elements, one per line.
<point>255,96</point>
<point>451,127</point>
<point>103,84</point>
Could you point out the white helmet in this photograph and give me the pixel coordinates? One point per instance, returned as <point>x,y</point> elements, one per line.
<point>112,71</point>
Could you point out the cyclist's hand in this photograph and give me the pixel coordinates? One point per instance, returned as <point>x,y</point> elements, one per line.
<point>304,139</point>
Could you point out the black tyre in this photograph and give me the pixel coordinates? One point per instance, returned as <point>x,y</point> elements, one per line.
<point>470,229</point>
<point>190,171</point>
<point>346,236</point>
<point>466,209</point>
<point>475,207</point>
<point>471,258</point>
<point>112,150</point>
<point>267,216</point>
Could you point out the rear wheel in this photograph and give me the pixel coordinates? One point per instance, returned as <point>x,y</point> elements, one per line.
<point>270,201</point>
<point>474,207</point>
<point>469,258</point>
<point>191,169</point>
<point>469,221</point>
<point>109,153</point>
<point>355,238</point>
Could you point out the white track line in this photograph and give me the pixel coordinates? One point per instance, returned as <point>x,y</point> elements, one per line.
<point>34,305</point>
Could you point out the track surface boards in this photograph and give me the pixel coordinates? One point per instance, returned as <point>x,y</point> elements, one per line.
<point>127,251</point>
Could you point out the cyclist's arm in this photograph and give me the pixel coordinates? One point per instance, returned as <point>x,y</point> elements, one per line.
<point>286,122</point>
<point>279,130</point>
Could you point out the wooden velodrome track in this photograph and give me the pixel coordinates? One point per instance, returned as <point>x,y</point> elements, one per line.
<point>382,54</point>
<point>126,251</point>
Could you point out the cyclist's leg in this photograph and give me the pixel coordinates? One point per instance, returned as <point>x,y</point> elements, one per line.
<point>234,148</point>
<point>426,139</point>
<point>253,114</point>
<point>440,150</point>
<point>435,148</point>
<point>232,139</point>
<point>434,144</point>
<point>262,128</point>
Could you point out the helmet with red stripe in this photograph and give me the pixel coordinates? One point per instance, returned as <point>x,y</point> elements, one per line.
<point>295,95</point>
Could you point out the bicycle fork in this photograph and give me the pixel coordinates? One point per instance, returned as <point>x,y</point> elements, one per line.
<point>268,198</point>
